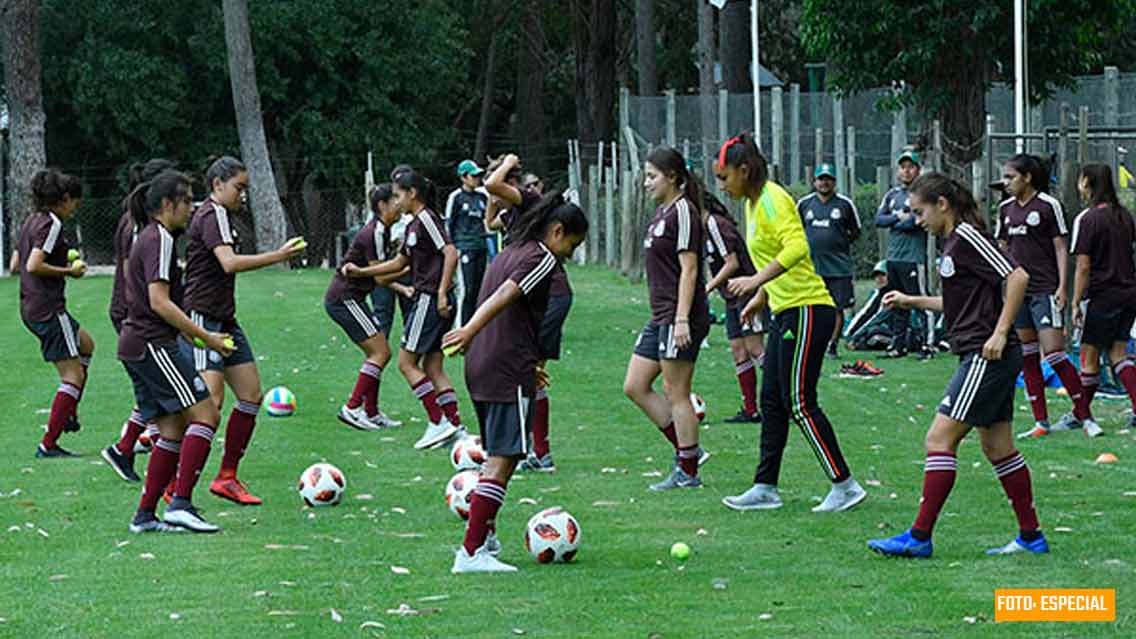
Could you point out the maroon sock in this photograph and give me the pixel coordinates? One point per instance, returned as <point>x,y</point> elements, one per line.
<point>1015,477</point>
<point>448,401</point>
<point>747,380</point>
<point>1071,381</point>
<point>670,434</point>
<point>1090,383</point>
<point>540,424</point>
<point>688,459</point>
<point>1035,383</point>
<point>194,451</point>
<point>159,471</point>
<point>483,507</point>
<point>1126,372</point>
<point>62,407</point>
<point>131,430</point>
<point>238,433</point>
<point>366,387</point>
<point>938,478</point>
<point>424,391</point>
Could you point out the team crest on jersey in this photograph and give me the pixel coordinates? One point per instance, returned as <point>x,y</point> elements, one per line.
<point>198,384</point>
<point>660,228</point>
<point>215,357</point>
<point>1034,218</point>
<point>947,266</point>
<point>835,214</point>
<point>411,238</point>
<point>808,215</point>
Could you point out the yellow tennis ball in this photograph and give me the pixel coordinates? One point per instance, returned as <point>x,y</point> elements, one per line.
<point>680,551</point>
<point>72,255</point>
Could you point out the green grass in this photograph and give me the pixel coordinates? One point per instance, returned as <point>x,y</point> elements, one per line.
<point>87,577</point>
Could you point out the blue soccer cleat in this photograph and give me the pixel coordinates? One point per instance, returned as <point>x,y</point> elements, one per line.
<point>902,545</point>
<point>1038,546</point>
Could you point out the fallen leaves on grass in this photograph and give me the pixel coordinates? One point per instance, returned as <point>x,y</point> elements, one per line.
<point>404,610</point>
<point>528,501</point>
<point>433,598</point>
<point>58,577</point>
<point>364,497</point>
<point>335,616</point>
<point>371,624</point>
<point>146,555</point>
<point>605,502</point>
<point>1107,458</point>
<point>873,482</point>
<point>285,547</point>
<point>399,570</point>
<point>282,613</point>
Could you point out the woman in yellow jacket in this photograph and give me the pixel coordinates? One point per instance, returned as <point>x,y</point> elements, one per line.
<point>803,320</point>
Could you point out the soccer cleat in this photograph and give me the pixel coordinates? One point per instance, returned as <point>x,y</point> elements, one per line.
<point>479,561</point>
<point>902,545</point>
<point>677,479</point>
<point>189,519</point>
<point>122,464</point>
<point>1092,429</point>
<point>744,417</point>
<point>356,418</point>
<point>55,451</point>
<point>435,434</point>
<point>1066,422</point>
<point>842,498</point>
<point>232,489</point>
<point>493,544</point>
<point>448,442</point>
<point>868,368</point>
<point>72,425</point>
<point>758,497</point>
<point>1038,546</point>
<point>539,464</point>
<point>1040,429</point>
<point>151,524</point>
<point>381,420</point>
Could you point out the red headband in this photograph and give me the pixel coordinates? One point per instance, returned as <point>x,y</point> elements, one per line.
<point>726,147</point>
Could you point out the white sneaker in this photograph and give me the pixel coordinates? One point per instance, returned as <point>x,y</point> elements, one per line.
<point>189,519</point>
<point>493,544</point>
<point>1092,428</point>
<point>480,561</point>
<point>758,497</point>
<point>842,496</point>
<point>448,442</point>
<point>435,434</point>
<point>382,420</point>
<point>356,418</point>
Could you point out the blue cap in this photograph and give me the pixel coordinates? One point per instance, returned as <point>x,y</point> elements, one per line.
<point>469,167</point>
<point>824,170</point>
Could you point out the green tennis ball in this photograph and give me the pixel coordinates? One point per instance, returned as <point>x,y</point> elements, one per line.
<point>198,342</point>
<point>72,255</point>
<point>451,350</point>
<point>680,551</point>
<point>230,344</point>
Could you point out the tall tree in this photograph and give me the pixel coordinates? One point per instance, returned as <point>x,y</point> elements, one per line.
<point>531,67</point>
<point>489,81</point>
<point>19,31</point>
<point>593,30</point>
<point>648,73</point>
<point>707,104</point>
<point>264,198</point>
<point>734,46</point>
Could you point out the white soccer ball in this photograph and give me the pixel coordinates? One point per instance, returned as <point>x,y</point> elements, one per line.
<point>467,453</point>
<point>699,405</point>
<point>459,492</point>
<point>552,535</point>
<point>322,485</point>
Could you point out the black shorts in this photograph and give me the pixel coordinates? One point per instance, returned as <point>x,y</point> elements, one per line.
<point>58,337</point>
<point>1040,313</point>
<point>1105,326</point>
<point>505,427</point>
<point>552,326</point>
<point>382,307</point>
<point>841,290</point>
<point>656,342</point>
<point>165,382</point>
<point>737,329</point>
<point>425,327</point>
<point>981,392</point>
<point>354,317</point>
<point>207,360</point>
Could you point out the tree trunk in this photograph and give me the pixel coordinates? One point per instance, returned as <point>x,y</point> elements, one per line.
<point>531,68</point>
<point>593,28</point>
<point>19,32</point>
<point>648,76</point>
<point>963,118</point>
<point>707,106</point>
<point>734,46</point>
<point>482,145</point>
<point>264,199</point>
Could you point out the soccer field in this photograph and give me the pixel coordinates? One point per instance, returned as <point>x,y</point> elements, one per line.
<point>69,568</point>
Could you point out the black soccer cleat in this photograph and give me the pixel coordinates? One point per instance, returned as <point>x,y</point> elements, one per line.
<point>54,451</point>
<point>122,464</point>
<point>744,417</point>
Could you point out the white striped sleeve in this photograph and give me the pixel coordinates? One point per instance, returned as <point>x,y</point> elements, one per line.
<point>165,253</point>
<point>1058,212</point>
<point>380,246</point>
<point>52,234</point>
<point>542,270</point>
<point>224,230</point>
<point>852,208</point>
<point>1073,248</point>
<point>450,203</point>
<point>987,250</point>
<point>716,237</point>
<point>432,229</point>
<point>682,218</point>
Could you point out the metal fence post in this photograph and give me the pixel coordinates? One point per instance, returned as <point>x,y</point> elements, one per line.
<point>794,133</point>
<point>838,144</point>
<point>883,185</point>
<point>850,142</point>
<point>670,118</point>
<point>776,96</point>
<point>609,210</point>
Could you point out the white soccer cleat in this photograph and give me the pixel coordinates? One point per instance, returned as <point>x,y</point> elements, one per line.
<point>1092,428</point>
<point>382,420</point>
<point>189,519</point>
<point>356,418</point>
<point>843,496</point>
<point>435,434</point>
<point>758,497</point>
<point>480,561</point>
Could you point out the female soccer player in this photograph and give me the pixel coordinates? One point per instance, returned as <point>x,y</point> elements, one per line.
<point>502,365</point>
<point>1031,225</point>
<point>1104,286</point>
<point>505,182</point>
<point>120,455</point>
<point>346,303</point>
<point>167,388</point>
<point>804,317</point>
<point>728,257</point>
<point>680,317</point>
<point>981,392</point>
<point>211,267</point>
<point>397,292</point>
<point>432,259</point>
<point>43,306</point>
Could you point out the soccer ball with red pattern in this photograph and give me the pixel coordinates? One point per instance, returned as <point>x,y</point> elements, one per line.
<point>459,491</point>
<point>552,535</point>
<point>699,405</point>
<point>467,453</point>
<point>322,485</point>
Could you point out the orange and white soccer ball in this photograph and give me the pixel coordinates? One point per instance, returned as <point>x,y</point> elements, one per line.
<point>459,491</point>
<point>552,535</point>
<point>143,444</point>
<point>699,405</point>
<point>467,453</point>
<point>322,485</point>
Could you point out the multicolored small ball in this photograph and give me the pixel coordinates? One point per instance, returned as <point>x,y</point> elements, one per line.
<point>280,402</point>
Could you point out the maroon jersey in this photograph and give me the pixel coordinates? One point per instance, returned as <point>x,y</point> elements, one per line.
<point>675,229</point>
<point>209,290</point>
<point>425,239</point>
<point>371,244</point>
<point>722,239</point>
<point>973,269</point>
<point>124,236</point>
<point>1106,236</point>
<point>503,357</point>
<point>152,259</point>
<point>1028,230</point>
<point>41,298</point>
<point>511,217</point>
